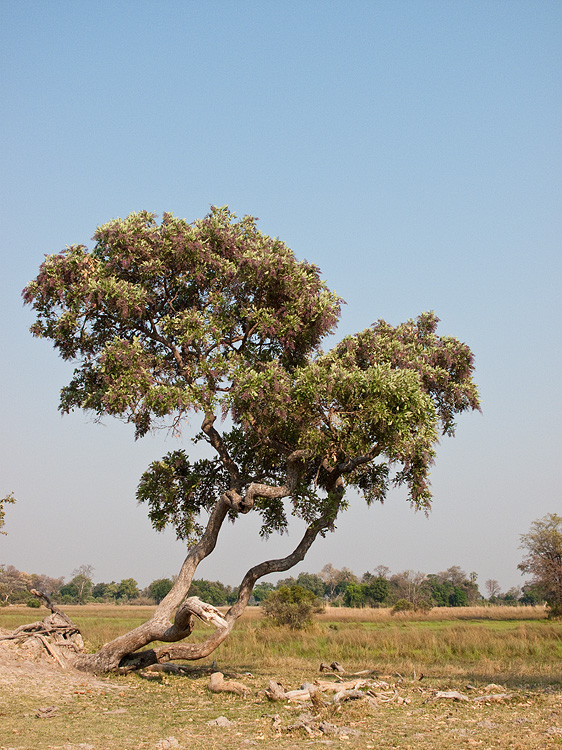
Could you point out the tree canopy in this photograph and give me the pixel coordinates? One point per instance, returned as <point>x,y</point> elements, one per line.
<point>214,318</point>
<point>543,559</point>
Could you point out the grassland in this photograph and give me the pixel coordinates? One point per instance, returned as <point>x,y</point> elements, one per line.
<point>517,649</point>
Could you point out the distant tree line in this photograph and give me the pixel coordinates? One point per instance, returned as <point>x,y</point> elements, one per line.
<point>336,587</point>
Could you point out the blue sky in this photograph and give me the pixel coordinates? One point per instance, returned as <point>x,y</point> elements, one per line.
<point>411,149</point>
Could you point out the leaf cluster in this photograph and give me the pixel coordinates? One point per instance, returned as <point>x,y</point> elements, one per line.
<point>173,318</point>
<point>161,316</point>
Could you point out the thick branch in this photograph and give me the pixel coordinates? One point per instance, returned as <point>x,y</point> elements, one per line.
<point>154,334</point>
<point>159,627</point>
<point>294,463</point>
<point>201,650</point>
<point>217,442</point>
<point>346,467</point>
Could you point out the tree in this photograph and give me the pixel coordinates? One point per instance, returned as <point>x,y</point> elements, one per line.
<point>5,501</point>
<point>354,595</point>
<point>411,585</point>
<point>493,588</point>
<point>127,589</point>
<point>458,597</point>
<point>376,590</point>
<point>531,595</point>
<point>543,545</point>
<point>14,585</point>
<point>158,589</point>
<point>382,571</point>
<point>213,592</point>
<point>262,590</point>
<point>336,581</point>
<point>46,584</point>
<point>82,582</point>
<point>454,585</point>
<point>214,318</point>
<point>105,591</point>
<point>312,582</point>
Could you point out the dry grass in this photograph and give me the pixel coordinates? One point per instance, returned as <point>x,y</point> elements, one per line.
<point>522,652</point>
<point>384,614</point>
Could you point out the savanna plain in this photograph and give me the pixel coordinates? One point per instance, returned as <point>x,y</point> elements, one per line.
<point>503,663</point>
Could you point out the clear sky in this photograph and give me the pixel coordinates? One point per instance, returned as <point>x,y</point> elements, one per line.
<point>411,149</point>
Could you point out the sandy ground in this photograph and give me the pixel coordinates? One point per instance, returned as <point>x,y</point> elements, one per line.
<point>28,668</point>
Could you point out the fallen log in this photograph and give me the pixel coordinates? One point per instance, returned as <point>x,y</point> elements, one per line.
<point>275,691</point>
<point>494,698</point>
<point>217,684</point>
<point>453,695</point>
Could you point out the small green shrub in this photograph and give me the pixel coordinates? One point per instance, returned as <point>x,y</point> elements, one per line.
<point>402,605</point>
<point>292,606</point>
<point>33,603</point>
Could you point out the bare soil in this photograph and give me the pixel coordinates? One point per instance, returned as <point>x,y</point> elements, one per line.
<point>27,668</point>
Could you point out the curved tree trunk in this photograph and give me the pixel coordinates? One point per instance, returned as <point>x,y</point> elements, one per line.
<point>124,650</point>
<point>160,627</point>
<point>194,651</point>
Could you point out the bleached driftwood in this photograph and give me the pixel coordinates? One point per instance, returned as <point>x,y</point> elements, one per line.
<point>57,633</point>
<point>275,691</point>
<point>217,684</point>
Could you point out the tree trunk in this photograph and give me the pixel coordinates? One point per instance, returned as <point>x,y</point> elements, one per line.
<point>123,652</point>
<point>160,627</point>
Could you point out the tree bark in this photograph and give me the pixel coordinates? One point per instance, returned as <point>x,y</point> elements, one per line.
<point>124,651</point>
<point>194,651</point>
<point>160,627</point>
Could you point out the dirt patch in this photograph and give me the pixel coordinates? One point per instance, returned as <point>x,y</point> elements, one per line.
<point>28,668</point>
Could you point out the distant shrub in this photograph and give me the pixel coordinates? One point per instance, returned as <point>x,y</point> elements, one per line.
<point>292,606</point>
<point>402,605</point>
<point>33,603</point>
<point>140,601</point>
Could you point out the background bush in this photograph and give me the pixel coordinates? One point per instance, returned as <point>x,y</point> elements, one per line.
<point>292,606</point>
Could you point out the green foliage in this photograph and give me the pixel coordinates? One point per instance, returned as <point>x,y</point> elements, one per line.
<point>79,589</point>
<point>9,499</point>
<point>531,595</point>
<point>157,590</point>
<point>452,588</point>
<point>402,605</point>
<point>33,603</point>
<point>262,590</point>
<point>176,491</point>
<point>105,591</point>
<point>312,582</point>
<point>212,592</point>
<point>458,598</point>
<point>214,317</point>
<point>127,589</point>
<point>354,595</point>
<point>291,606</point>
<point>376,590</point>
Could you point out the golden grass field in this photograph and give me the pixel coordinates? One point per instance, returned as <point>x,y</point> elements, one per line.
<point>464,649</point>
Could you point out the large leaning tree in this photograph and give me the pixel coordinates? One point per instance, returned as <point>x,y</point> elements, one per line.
<point>216,321</point>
